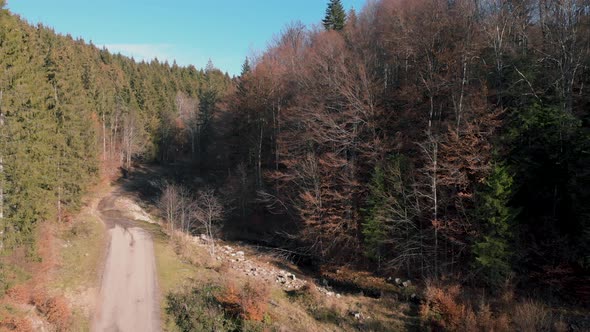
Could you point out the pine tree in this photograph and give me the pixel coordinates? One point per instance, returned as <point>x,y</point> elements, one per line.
<point>245,67</point>
<point>335,18</point>
<point>492,251</point>
<point>375,227</point>
<point>26,142</point>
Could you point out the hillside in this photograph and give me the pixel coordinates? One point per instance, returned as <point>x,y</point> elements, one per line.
<point>445,143</point>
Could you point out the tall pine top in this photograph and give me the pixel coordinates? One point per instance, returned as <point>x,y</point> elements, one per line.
<point>335,16</point>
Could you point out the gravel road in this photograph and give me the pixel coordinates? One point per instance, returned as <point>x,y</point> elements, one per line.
<point>129,291</point>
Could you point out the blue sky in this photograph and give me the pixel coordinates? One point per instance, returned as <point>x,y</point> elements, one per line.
<point>188,31</point>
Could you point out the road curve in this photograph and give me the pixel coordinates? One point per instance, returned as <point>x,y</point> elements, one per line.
<point>129,292</point>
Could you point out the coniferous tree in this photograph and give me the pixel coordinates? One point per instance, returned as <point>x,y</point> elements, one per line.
<point>335,18</point>
<point>245,67</point>
<point>492,251</point>
<point>63,103</point>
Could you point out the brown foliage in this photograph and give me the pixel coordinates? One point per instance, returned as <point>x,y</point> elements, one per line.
<point>443,302</point>
<point>20,294</point>
<point>15,324</point>
<point>249,302</point>
<point>446,308</point>
<point>45,249</point>
<point>55,309</point>
<point>254,301</point>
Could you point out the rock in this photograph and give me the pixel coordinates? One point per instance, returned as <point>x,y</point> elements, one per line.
<point>407,283</point>
<point>338,296</point>
<point>355,314</point>
<point>330,293</point>
<point>240,253</point>
<point>398,281</point>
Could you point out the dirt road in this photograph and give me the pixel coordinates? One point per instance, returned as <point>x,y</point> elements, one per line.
<point>129,291</point>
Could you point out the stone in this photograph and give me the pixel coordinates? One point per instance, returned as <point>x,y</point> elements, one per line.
<point>355,314</point>
<point>398,281</point>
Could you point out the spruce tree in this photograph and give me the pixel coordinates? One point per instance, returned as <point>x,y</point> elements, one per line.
<point>335,18</point>
<point>245,67</point>
<point>492,251</point>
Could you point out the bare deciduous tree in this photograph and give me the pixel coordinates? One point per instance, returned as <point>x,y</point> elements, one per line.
<point>132,138</point>
<point>178,207</point>
<point>208,212</point>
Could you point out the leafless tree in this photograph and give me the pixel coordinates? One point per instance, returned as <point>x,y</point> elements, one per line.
<point>132,138</point>
<point>565,42</point>
<point>178,207</point>
<point>209,211</point>
<point>188,113</point>
<point>168,204</point>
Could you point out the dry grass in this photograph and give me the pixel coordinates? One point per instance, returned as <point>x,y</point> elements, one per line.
<point>189,252</point>
<point>530,316</point>
<point>361,281</point>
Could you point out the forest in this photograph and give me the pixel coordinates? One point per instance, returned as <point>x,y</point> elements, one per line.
<point>438,139</point>
<point>67,108</point>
